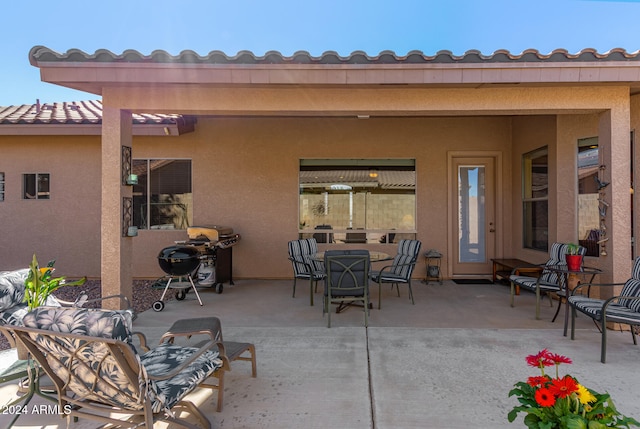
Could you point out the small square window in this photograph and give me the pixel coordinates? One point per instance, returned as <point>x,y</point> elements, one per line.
<point>35,186</point>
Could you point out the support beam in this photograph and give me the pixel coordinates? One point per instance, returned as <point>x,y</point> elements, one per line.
<point>614,141</point>
<point>116,250</point>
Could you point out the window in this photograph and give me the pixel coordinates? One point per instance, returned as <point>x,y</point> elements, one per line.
<point>357,201</point>
<point>1,186</point>
<point>588,204</point>
<point>35,186</point>
<point>162,199</point>
<point>535,195</point>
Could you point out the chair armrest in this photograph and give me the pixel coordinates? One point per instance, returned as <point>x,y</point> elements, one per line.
<point>301,261</point>
<point>581,285</point>
<point>617,298</point>
<point>83,299</point>
<point>142,339</point>
<point>538,268</point>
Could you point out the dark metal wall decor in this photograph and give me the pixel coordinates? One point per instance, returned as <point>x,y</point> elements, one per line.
<point>603,205</point>
<point>127,215</point>
<point>126,164</point>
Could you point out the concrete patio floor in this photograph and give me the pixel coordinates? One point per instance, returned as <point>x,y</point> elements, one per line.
<point>448,361</point>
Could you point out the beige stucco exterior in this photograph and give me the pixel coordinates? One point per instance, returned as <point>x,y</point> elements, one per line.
<point>255,123</point>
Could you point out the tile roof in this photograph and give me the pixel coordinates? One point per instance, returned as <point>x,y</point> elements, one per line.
<point>386,179</point>
<point>44,54</point>
<point>83,117</point>
<point>75,112</point>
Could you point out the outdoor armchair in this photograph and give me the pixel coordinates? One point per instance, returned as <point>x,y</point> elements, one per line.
<point>623,308</point>
<point>548,281</point>
<point>97,371</point>
<point>400,269</point>
<point>229,351</point>
<point>301,253</point>
<point>347,280</point>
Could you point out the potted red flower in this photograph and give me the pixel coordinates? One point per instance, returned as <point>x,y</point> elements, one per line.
<point>562,402</point>
<point>573,257</point>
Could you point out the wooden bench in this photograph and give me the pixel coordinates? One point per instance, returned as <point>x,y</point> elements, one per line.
<point>502,269</point>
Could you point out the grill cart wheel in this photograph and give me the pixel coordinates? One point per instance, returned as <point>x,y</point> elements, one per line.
<point>219,288</point>
<point>180,295</point>
<point>158,306</point>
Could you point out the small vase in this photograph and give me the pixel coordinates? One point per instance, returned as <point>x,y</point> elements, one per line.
<point>574,262</point>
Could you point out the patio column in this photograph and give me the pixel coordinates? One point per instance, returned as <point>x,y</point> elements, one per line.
<point>614,143</point>
<point>116,251</point>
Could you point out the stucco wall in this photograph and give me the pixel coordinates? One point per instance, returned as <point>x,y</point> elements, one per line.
<point>245,175</point>
<point>67,226</point>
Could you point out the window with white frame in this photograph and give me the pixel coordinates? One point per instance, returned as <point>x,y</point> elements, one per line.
<point>357,200</point>
<point>1,186</point>
<point>535,199</point>
<point>36,186</point>
<point>162,198</point>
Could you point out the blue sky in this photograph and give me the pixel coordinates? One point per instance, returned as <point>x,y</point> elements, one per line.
<point>288,26</point>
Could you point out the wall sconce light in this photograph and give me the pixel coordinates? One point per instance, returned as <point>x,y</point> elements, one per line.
<point>373,173</point>
<point>132,179</point>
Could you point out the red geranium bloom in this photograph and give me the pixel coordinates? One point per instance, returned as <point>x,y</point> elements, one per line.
<point>544,397</point>
<point>558,359</point>
<point>538,381</point>
<point>540,360</point>
<point>563,387</point>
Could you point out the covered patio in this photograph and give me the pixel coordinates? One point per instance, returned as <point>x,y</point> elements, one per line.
<point>447,361</point>
<point>257,118</point>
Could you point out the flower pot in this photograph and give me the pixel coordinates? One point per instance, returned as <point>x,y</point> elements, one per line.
<point>574,262</point>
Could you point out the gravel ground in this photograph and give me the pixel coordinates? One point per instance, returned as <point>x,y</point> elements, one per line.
<point>144,295</point>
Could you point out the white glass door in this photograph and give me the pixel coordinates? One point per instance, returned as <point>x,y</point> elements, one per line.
<point>474,235</point>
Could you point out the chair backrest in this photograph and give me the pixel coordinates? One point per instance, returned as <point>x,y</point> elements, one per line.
<point>301,252</point>
<point>322,237</point>
<point>88,352</point>
<point>632,288</point>
<point>347,272</point>
<point>557,253</point>
<point>405,260</point>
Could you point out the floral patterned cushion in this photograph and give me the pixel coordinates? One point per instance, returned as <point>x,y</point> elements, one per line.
<point>107,381</point>
<point>166,357</point>
<point>12,288</point>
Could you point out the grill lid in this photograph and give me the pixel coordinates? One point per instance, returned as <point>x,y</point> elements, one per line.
<point>209,232</point>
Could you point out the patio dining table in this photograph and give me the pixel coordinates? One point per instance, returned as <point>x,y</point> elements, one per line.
<point>373,256</point>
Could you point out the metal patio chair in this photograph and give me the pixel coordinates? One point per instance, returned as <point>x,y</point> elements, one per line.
<point>347,280</point>
<point>301,253</point>
<point>400,269</point>
<point>623,308</point>
<point>548,281</point>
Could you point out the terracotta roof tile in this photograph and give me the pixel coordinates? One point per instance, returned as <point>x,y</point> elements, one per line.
<point>75,112</point>
<point>44,54</point>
